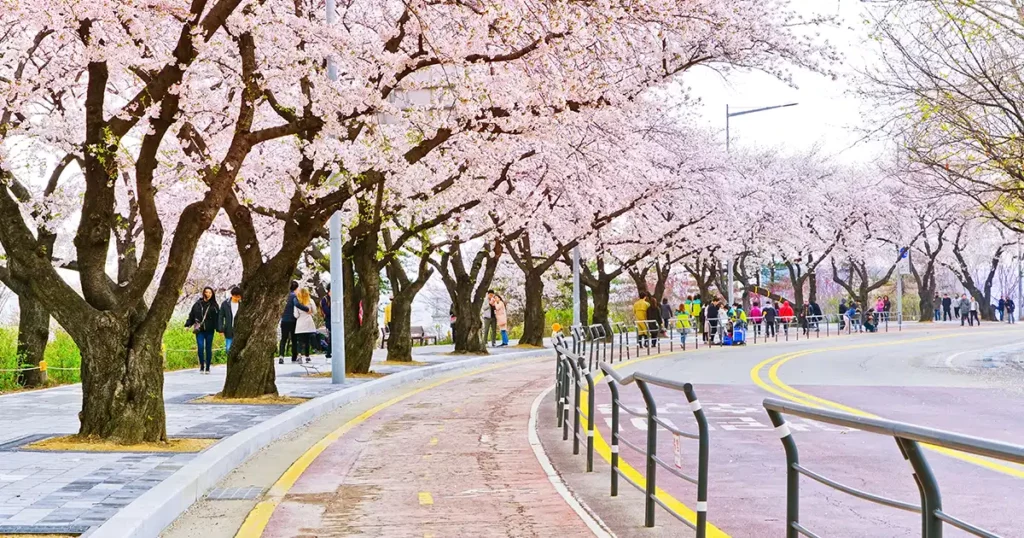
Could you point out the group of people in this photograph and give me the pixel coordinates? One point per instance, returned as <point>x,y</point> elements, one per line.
<point>207,318</point>
<point>495,316</point>
<point>967,309</point>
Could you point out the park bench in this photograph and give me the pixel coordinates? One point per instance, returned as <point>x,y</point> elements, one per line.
<point>420,334</point>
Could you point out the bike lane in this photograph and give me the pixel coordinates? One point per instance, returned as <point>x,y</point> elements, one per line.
<point>453,460</point>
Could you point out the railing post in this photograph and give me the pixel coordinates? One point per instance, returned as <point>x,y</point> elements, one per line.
<point>575,407</point>
<point>558,386</point>
<point>703,454</point>
<point>590,418</point>
<point>615,435</point>
<point>652,451</point>
<point>792,476</point>
<point>565,400</point>
<point>931,498</point>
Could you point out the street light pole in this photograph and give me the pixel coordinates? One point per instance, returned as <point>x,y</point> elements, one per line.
<point>576,290</point>
<point>732,262</point>
<point>337,283</point>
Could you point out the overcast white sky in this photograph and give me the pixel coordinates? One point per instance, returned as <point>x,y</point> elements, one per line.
<point>828,114</point>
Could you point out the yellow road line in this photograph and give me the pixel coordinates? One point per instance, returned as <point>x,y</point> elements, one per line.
<point>426,498</point>
<point>433,441</point>
<point>602,449</point>
<point>787,392</point>
<point>258,518</point>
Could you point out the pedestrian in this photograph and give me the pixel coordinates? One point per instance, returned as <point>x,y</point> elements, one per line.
<point>974,312</point>
<point>228,314</point>
<point>769,313</point>
<point>936,307</point>
<point>886,307</point>
<point>305,325</point>
<point>288,324</point>
<point>640,314</point>
<point>964,309</point>
<point>869,324</point>
<point>501,318</point>
<point>490,322</point>
<point>842,313</point>
<point>653,315</point>
<point>202,319</point>
<point>786,316</point>
<point>1011,307</point>
<point>683,322</point>
<point>666,314</point>
<point>452,318</point>
<point>851,316</point>
<point>325,312</point>
<point>947,305</point>
<point>387,313</point>
<point>1001,307</point>
<point>713,312</point>
<point>879,307</point>
<point>756,317</point>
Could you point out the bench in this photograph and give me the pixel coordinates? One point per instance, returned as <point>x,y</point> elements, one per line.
<point>420,334</point>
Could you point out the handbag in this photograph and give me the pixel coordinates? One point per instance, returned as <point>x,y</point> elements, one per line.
<point>198,326</point>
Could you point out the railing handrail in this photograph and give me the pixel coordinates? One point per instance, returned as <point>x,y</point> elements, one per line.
<point>662,382</point>
<point>609,370</point>
<point>930,436</point>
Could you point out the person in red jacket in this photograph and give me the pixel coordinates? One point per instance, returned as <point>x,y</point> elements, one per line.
<point>785,315</point>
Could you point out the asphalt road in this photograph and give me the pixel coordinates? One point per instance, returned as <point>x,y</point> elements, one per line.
<point>970,381</point>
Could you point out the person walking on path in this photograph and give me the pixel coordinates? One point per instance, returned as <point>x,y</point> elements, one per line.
<point>288,324</point>
<point>963,308</point>
<point>501,317</point>
<point>387,313</point>
<point>879,308</point>
<point>653,314</point>
<point>1010,309</point>
<point>1001,307</point>
<point>769,314</point>
<point>666,315</point>
<point>490,322</point>
<point>202,319</point>
<point>640,314</point>
<point>305,325</point>
<point>974,312</point>
<point>842,313</point>
<point>228,314</point>
<point>785,316</point>
<point>325,312</point>
<point>947,306</point>
<point>756,316</point>
<point>936,307</point>
<point>683,322</point>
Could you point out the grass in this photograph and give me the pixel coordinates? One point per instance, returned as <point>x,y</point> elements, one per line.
<point>64,360</point>
<point>75,443</point>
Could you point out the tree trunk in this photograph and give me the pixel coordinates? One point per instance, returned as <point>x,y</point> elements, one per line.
<point>33,332</point>
<point>400,339</point>
<point>602,294</point>
<point>533,313</point>
<point>254,347</point>
<point>122,383</point>
<point>363,278</point>
<point>812,285</point>
<point>467,326</point>
<point>584,305</point>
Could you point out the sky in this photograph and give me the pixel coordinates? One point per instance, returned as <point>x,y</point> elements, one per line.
<point>828,114</point>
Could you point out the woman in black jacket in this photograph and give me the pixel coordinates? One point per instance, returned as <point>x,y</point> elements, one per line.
<point>203,321</point>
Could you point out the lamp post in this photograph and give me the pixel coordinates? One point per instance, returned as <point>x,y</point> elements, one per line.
<point>337,283</point>
<point>728,115</point>
<point>577,316</point>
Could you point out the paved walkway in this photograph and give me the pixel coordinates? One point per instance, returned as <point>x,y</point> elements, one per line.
<point>453,460</point>
<point>72,492</point>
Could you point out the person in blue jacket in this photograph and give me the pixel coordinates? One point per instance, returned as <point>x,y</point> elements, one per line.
<point>288,324</point>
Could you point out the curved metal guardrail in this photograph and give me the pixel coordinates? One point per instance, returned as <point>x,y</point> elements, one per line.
<point>909,438</point>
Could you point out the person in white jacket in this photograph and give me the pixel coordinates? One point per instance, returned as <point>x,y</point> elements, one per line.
<point>305,326</point>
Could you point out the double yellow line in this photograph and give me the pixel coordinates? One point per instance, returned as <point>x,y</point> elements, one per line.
<point>776,386</point>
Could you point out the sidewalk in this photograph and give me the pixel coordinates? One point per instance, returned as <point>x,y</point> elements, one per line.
<point>71,492</point>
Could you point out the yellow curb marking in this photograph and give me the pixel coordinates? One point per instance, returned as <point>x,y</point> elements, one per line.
<point>259,517</point>
<point>425,498</point>
<point>787,392</point>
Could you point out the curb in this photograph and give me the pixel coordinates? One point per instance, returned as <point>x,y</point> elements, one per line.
<point>148,515</point>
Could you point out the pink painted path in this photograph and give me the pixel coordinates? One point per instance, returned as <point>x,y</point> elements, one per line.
<point>451,461</point>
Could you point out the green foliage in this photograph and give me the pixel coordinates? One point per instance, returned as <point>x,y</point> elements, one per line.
<point>64,360</point>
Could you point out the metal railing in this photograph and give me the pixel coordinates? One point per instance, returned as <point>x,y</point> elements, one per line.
<point>650,453</point>
<point>909,438</point>
<point>574,376</point>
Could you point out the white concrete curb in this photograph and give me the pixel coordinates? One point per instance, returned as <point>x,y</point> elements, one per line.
<point>148,515</point>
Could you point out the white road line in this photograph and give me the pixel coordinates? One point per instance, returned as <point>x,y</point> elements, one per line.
<point>592,521</point>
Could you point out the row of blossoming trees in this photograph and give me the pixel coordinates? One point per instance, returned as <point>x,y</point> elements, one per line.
<point>141,142</point>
